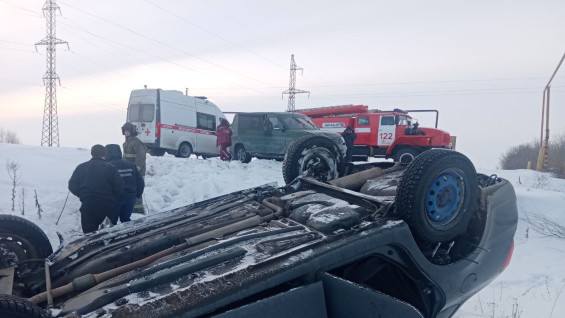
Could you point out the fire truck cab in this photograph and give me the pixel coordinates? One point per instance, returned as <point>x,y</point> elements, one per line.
<point>382,134</point>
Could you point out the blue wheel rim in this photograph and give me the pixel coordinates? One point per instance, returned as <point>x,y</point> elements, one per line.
<point>444,197</point>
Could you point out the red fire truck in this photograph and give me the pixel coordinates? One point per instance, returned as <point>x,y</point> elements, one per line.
<point>385,134</point>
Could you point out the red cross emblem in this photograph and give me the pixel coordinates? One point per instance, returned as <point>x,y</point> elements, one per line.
<point>147,131</point>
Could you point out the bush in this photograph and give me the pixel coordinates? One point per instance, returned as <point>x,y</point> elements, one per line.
<point>8,137</point>
<point>517,157</point>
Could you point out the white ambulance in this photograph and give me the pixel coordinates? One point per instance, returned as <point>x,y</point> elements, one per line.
<point>169,121</point>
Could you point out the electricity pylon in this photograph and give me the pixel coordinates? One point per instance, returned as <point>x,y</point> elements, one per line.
<point>291,91</point>
<point>50,131</point>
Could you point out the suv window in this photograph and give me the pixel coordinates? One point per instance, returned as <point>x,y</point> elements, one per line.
<point>277,124</point>
<point>298,122</point>
<point>205,121</point>
<point>250,122</point>
<point>141,112</point>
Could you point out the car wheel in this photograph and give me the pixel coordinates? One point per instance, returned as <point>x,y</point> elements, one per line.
<point>185,150</point>
<point>157,152</point>
<point>241,154</point>
<point>21,240</point>
<point>16,307</point>
<point>405,154</point>
<point>312,155</point>
<point>438,194</point>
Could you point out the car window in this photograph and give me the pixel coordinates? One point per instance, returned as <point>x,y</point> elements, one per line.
<point>298,122</point>
<point>141,112</point>
<point>250,122</point>
<point>363,121</point>
<point>205,121</point>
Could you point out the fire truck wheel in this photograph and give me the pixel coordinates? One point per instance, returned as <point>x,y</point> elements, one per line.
<point>16,307</point>
<point>315,156</point>
<point>21,240</point>
<point>157,152</point>
<point>405,154</point>
<point>185,150</point>
<point>437,195</point>
<point>241,154</point>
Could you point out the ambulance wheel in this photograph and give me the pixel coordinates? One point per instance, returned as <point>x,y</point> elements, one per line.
<point>185,150</point>
<point>438,195</point>
<point>157,152</point>
<point>16,307</point>
<point>405,154</point>
<point>241,155</point>
<point>21,240</point>
<point>315,156</point>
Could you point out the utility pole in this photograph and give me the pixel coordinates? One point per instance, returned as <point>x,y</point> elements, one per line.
<point>543,156</point>
<point>50,131</point>
<point>291,91</point>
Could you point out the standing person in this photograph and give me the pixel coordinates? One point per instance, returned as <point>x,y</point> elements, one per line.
<point>133,184</point>
<point>223,135</point>
<point>135,151</point>
<point>96,183</point>
<point>349,136</point>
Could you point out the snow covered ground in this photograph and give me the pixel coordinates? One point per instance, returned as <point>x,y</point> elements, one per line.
<point>530,287</point>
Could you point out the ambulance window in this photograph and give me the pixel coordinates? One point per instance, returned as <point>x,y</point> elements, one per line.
<point>205,121</point>
<point>363,121</point>
<point>141,112</point>
<point>387,121</point>
<point>250,122</point>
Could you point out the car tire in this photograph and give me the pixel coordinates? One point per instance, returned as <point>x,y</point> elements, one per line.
<point>318,155</point>
<point>405,154</point>
<point>21,240</point>
<point>438,195</point>
<point>157,152</point>
<point>16,307</point>
<point>185,150</point>
<point>240,154</point>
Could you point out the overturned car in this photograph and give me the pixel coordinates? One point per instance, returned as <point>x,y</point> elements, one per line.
<point>383,240</point>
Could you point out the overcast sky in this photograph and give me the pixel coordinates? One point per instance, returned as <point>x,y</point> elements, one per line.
<point>482,64</point>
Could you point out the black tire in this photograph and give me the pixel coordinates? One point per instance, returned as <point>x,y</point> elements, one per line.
<point>21,240</point>
<point>405,154</point>
<point>157,152</point>
<point>16,307</point>
<point>185,150</point>
<point>437,195</point>
<point>319,156</point>
<point>241,155</point>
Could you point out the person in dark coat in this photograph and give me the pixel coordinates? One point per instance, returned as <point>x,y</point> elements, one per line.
<point>223,138</point>
<point>349,136</point>
<point>96,183</point>
<point>133,184</point>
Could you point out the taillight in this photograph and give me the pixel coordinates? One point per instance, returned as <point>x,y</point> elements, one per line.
<point>158,130</point>
<point>508,257</point>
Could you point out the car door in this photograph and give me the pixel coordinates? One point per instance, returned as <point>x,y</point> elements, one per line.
<point>387,130</point>
<point>251,133</point>
<point>205,130</point>
<point>275,136</point>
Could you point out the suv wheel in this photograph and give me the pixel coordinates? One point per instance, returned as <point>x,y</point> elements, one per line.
<point>313,155</point>
<point>241,154</point>
<point>438,195</point>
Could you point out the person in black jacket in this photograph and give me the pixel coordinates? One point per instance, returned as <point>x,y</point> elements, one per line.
<point>133,184</point>
<point>96,183</point>
<point>349,136</point>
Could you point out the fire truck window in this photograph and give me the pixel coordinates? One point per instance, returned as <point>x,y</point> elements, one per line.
<point>250,122</point>
<point>363,121</point>
<point>205,121</point>
<point>403,121</point>
<point>387,120</point>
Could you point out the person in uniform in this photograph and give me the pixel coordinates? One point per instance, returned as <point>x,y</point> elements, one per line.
<point>349,136</point>
<point>136,152</point>
<point>223,138</point>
